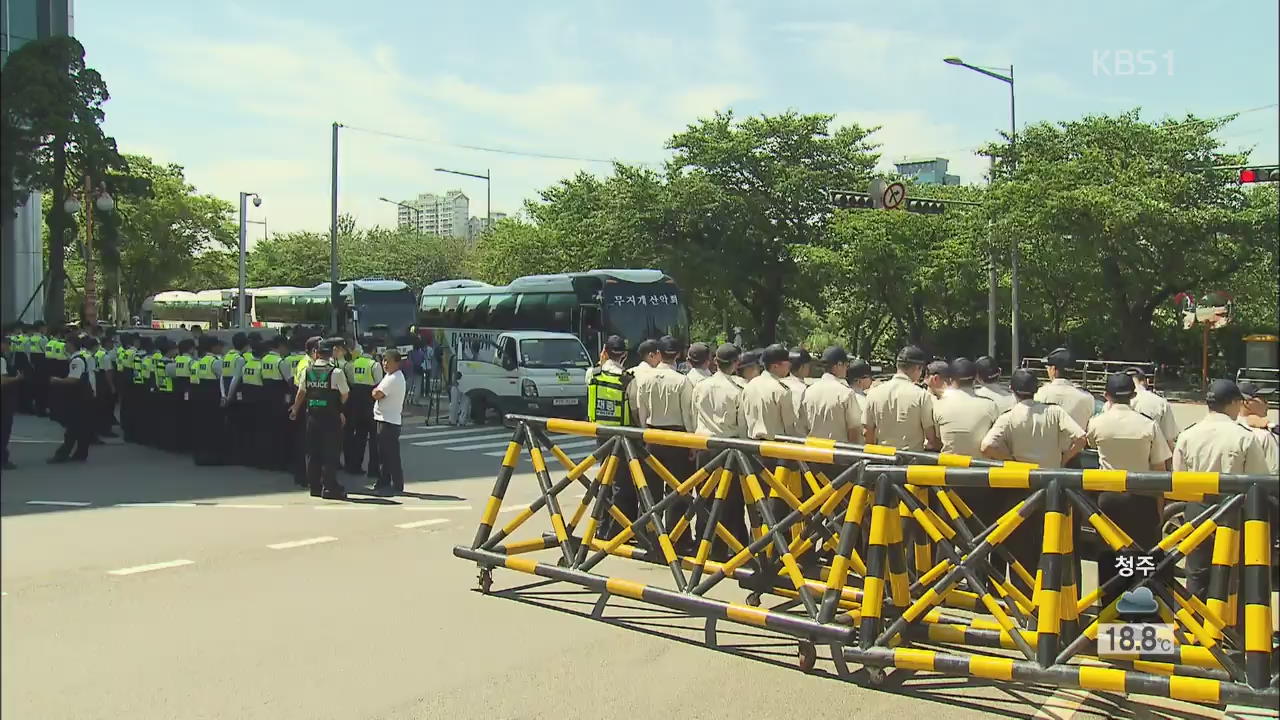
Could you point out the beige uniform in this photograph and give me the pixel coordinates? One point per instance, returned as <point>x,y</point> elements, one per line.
<point>1033,432</point>
<point>963,418</point>
<point>1157,408</point>
<point>1002,396</point>
<point>1270,446</point>
<point>831,410</point>
<point>666,399</point>
<point>697,375</point>
<point>1219,444</point>
<point>638,375</point>
<point>767,409</point>
<point>900,412</point>
<point>717,408</point>
<point>1128,440</point>
<point>1064,393</point>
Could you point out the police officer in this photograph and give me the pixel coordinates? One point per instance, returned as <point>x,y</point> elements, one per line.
<point>718,413</point>
<point>363,374</point>
<point>205,401</point>
<point>239,422</point>
<point>649,356</point>
<point>607,401</point>
<point>1129,440</point>
<point>164,409</point>
<point>1151,404</point>
<point>801,367</point>
<point>937,377</point>
<point>750,366</point>
<point>962,416</point>
<point>323,395</point>
<point>142,384</point>
<point>900,413</point>
<point>105,360</point>
<point>182,387</point>
<point>19,363</point>
<point>859,378</point>
<point>55,366</point>
<point>298,460</point>
<point>124,385</point>
<point>1217,443</point>
<point>666,403</point>
<point>273,429</point>
<point>699,362</point>
<point>768,411</point>
<point>1253,415</point>
<point>830,408</point>
<point>10,383</point>
<point>1062,392</point>
<point>989,386</point>
<point>1032,432</point>
<point>37,353</point>
<point>77,414</point>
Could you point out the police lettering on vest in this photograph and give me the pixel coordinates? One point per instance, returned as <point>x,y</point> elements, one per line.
<point>322,399</point>
<point>607,399</point>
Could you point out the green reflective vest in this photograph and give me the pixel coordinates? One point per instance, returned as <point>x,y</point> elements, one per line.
<point>53,350</point>
<point>182,366</point>
<point>271,367</point>
<point>252,374</point>
<point>229,363</point>
<point>36,344</point>
<point>141,368</point>
<point>607,399</point>
<point>202,370</point>
<point>18,343</point>
<point>99,359</point>
<point>164,383</point>
<point>362,371</point>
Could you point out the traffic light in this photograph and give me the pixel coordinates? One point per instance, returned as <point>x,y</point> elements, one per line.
<point>1260,174</point>
<point>925,207</point>
<point>850,199</point>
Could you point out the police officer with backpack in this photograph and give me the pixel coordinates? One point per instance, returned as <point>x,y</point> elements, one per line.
<point>322,396</point>
<point>364,373</point>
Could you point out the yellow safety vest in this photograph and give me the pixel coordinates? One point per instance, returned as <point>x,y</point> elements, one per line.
<point>182,366</point>
<point>229,363</point>
<point>362,371</point>
<point>271,367</point>
<point>252,374</point>
<point>164,383</point>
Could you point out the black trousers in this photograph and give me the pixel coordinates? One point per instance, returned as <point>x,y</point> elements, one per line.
<point>298,449</point>
<point>106,406</point>
<point>79,425</point>
<point>8,406</point>
<point>206,424</point>
<point>732,511</point>
<point>273,429</point>
<point>164,413</point>
<point>360,432</point>
<point>390,472</point>
<point>182,414</point>
<point>241,425</point>
<point>679,462</point>
<point>23,400</point>
<point>39,384</point>
<point>324,435</point>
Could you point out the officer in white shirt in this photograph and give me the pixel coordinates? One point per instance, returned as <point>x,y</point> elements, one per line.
<point>1154,406</point>
<point>699,356</point>
<point>1253,415</point>
<point>79,392</point>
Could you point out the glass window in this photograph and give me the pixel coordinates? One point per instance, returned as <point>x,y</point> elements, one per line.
<point>553,353</point>
<point>473,311</point>
<point>560,307</point>
<point>449,315</point>
<point>429,314</point>
<point>531,312</point>
<point>502,311</point>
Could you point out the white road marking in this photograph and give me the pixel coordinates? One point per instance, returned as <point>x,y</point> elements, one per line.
<point>491,436</point>
<point>439,508</point>
<point>148,568</point>
<point>422,523</point>
<point>454,432</point>
<point>512,509</point>
<point>60,503</point>
<point>1062,705</point>
<point>345,507</point>
<point>154,504</point>
<point>250,506</point>
<point>302,543</point>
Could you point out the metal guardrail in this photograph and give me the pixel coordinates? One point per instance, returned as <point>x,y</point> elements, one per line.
<point>1092,374</point>
<point>831,532</point>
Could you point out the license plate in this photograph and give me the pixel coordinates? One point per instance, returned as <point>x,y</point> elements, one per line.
<point>564,378</point>
<point>1128,640</point>
<point>565,401</point>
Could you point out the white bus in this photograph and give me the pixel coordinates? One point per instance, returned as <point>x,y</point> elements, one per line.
<point>467,316</point>
<point>175,308</point>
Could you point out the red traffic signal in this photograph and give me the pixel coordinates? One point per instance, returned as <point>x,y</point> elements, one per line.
<point>1260,174</point>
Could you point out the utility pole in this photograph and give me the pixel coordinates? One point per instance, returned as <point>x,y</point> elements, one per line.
<point>334,293</point>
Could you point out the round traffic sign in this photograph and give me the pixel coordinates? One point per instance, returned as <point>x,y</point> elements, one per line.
<point>894,195</point>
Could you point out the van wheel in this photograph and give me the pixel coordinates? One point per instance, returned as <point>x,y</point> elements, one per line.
<point>479,410</point>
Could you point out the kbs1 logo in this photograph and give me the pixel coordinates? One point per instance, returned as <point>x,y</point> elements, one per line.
<point>1132,63</point>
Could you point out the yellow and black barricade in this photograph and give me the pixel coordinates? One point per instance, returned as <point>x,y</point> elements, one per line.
<point>876,555</point>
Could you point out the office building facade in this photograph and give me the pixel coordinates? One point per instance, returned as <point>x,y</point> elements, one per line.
<point>444,215</point>
<point>928,171</point>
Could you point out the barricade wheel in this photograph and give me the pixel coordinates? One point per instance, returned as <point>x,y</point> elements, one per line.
<point>876,675</point>
<point>806,655</point>
<point>754,599</point>
<point>486,580</point>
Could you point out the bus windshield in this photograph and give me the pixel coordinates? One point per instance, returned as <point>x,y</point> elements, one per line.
<point>643,311</point>
<point>386,314</point>
<point>553,353</point>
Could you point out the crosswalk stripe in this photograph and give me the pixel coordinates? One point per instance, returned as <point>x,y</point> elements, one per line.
<point>490,436</point>
<point>562,446</point>
<point>480,446</point>
<point>471,431</point>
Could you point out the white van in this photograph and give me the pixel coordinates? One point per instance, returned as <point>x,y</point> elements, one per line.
<point>525,371</point>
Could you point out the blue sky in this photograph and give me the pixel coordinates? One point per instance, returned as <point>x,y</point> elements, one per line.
<point>243,94</point>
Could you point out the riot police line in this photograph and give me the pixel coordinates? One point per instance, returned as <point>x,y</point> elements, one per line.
<point>292,402</point>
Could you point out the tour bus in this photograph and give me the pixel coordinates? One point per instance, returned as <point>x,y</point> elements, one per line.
<point>381,308</point>
<point>635,304</point>
<point>172,309</point>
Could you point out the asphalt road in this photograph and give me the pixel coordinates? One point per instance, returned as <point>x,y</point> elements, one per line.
<point>140,586</point>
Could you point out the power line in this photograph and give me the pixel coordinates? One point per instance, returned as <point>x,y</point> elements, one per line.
<point>481,148</point>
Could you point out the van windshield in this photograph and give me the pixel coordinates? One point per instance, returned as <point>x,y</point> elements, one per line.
<point>554,353</point>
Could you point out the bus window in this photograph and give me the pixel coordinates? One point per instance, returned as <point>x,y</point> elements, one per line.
<point>449,316</point>
<point>560,308</point>
<point>531,312</point>
<point>502,312</point>
<point>430,312</point>
<point>473,311</point>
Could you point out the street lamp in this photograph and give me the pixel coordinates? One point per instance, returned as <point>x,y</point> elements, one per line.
<point>244,211</point>
<point>488,192</point>
<point>103,201</point>
<point>1014,324</point>
<point>417,221</point>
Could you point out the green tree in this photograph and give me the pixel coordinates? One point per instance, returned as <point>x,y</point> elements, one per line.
<point>52,121</point>
<point>1119,215</point>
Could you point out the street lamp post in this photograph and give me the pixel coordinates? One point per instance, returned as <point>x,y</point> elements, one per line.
<point>244,210</point>
<point>488,192</point>
<point>105,203</point>
<point>1014,322</point>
